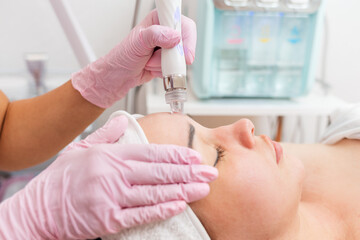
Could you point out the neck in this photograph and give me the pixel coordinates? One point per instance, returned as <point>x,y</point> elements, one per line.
<point>318,222</point>
<point>314,222</point>
<point>323,202</point>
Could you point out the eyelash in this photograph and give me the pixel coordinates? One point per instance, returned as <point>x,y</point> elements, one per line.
<point>220,154</point>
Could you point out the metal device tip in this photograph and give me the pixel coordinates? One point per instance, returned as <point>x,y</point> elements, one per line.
<point>177,107</point>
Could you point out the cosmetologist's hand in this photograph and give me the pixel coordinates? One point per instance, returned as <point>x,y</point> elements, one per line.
<point>133,62</point>
<point>97,188</point>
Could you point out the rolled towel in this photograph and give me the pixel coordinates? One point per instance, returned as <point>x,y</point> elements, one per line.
<point>183,226</point>
<point>344,123</point>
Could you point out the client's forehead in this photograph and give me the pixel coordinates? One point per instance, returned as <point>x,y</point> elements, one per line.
<point>166,128</point>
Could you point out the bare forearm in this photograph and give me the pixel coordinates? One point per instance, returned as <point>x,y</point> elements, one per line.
<point>36,129</point>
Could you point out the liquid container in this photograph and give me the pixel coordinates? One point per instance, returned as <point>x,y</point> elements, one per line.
<point>252,51</point>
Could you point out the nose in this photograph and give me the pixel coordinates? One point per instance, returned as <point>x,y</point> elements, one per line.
<point>243,132</point>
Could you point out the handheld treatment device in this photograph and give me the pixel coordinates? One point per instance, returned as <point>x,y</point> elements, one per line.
<point>173,64</point>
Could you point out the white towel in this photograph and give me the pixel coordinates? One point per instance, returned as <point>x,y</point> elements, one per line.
<point>183,226</point>
<point>344,123</point>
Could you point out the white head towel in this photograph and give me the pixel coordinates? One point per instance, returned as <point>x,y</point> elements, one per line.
<point>345,123</point>
<point>183,226</point>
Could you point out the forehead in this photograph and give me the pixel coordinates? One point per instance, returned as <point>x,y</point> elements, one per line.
<point>166,128</point>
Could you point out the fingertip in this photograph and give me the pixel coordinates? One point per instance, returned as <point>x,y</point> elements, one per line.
<point>176,207</point>
<point>169,209</point>
<point>189,37</point>
<point>203,191</point>
<point>195,191</point>
<point>156,74</point>
<point>188,24</point>
<point>181,206</point>
<point>118,124</point>
<point>114,128</point>
<point>154,61</point>
<point>154,16</point>
<point>120,120</point>
<point>210,173</point>
<point>194,156</point>
<point>189,56</point>
<point>187,155</point>
<point>216,172</point>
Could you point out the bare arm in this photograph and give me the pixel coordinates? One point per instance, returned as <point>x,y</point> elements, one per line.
<point>35,129</point>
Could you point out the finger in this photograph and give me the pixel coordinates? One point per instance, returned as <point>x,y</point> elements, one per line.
<point>142,173</point>
<point>153,69</point>
<point>131,217</point>
<point>146,77</point>
<point>154,194</point>
<point>154,63</point>
<point>154,17</point>
<point>188,29</point>
<point>156,74</point>
<point>110,132</point>
<point>74,145</point>
<point>159,36</point>
<point>189,37</point>
<point>159,153</point>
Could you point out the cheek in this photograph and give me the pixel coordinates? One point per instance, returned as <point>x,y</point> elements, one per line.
<point>257,186</point>
<point>259,193</point>
<point>252,195</point>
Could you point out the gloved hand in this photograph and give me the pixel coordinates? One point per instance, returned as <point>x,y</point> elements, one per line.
<point>93,190</point>
<point>132,62</point>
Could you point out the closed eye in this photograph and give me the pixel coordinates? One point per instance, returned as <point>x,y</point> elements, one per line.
<point>220,153</point>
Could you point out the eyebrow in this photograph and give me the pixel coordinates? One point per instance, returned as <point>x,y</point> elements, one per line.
<point>191,135</point>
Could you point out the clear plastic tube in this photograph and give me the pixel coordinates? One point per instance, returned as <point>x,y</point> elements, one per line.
<point>176,99</point>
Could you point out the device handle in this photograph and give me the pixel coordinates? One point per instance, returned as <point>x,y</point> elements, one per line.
<point>172,60</point>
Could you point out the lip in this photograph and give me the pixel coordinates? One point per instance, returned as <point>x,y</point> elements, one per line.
<point>272,146</point>
<point>278,151</point>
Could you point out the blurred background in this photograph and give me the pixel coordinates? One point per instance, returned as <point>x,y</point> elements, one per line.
<point>32,26</point>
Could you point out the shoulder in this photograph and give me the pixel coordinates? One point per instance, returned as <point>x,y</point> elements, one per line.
<point>348,147</point>
<point>4,102</point>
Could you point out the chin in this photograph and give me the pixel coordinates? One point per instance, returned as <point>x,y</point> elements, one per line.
<point>296,174</point>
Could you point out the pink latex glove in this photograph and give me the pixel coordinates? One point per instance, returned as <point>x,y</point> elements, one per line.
<point>93,190</point>
<point>133,62</point>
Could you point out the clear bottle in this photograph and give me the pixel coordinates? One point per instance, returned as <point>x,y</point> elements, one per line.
<point>232,37</point>
<point>263,52</point>
<point>292,53</point>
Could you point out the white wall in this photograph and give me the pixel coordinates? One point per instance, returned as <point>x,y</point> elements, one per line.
<point>31,25</point>
<point>343,66</point>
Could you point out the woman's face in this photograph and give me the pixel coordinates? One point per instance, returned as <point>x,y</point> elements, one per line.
<point>257,193</point>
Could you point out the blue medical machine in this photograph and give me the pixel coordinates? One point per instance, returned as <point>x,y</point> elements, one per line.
<point>256,48</point>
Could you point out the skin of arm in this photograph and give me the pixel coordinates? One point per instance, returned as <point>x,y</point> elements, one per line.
<point>33,130</point>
